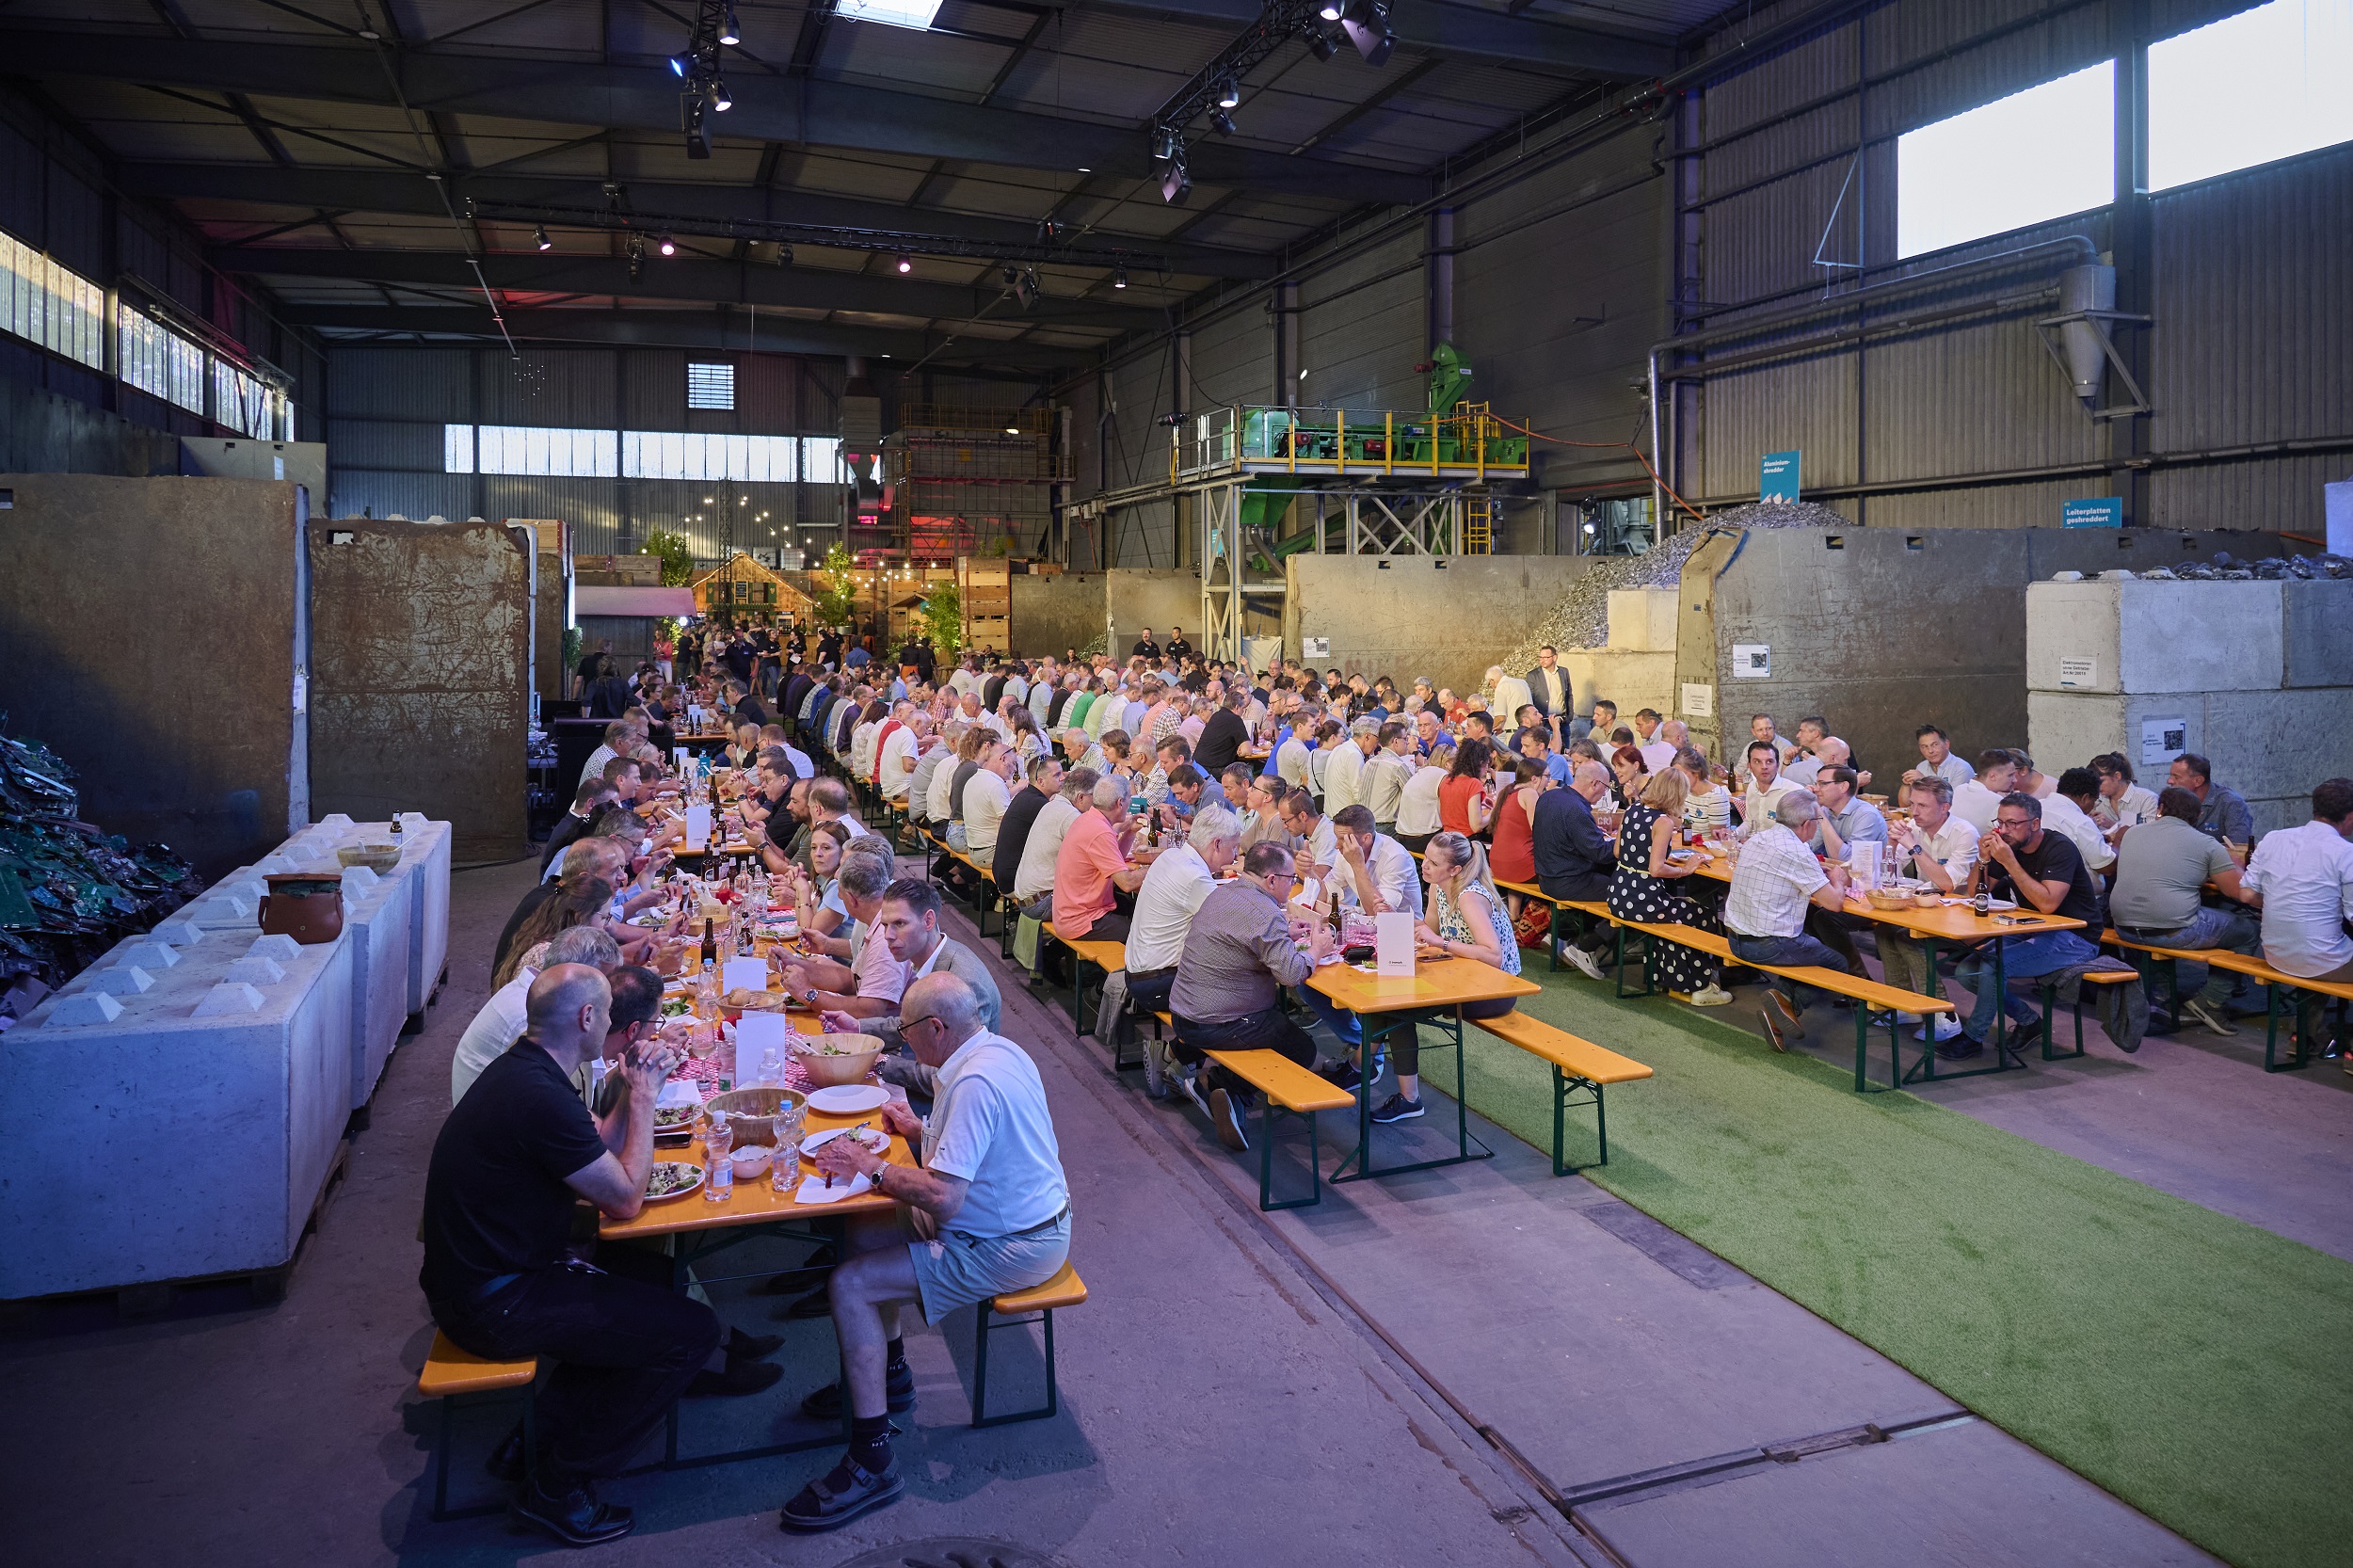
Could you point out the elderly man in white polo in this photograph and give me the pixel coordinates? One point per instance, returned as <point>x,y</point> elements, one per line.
<point>986,1211</point>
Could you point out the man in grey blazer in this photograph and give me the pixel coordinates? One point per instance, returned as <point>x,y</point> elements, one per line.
<point>1548,688</point>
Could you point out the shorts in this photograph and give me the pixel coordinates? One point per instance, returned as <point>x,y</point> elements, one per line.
<point>953,1270</point>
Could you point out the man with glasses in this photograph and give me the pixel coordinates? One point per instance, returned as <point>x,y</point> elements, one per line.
<point>1242,950</point>
<point>2044,873</point>
<point>985,1210</point>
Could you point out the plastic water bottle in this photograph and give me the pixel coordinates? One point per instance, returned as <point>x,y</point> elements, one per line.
<point>771,1069</point>
<point>719,1170</point>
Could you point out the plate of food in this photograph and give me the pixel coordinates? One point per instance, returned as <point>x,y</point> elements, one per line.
<point>673,1121</point>
<point>849,1100</point>
<point>673,1180</point>
<point>871,1138</point>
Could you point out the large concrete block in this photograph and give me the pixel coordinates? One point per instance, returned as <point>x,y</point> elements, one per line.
<point>1051,614</point>
<point>1643,620</point>
<point>154,630</point>
<point>2143,636</point>
<point>1632,680</point>
<point>2270,746</point>
<point>1135,598</point>
<point>2318,633</point>
<point>421,676</point>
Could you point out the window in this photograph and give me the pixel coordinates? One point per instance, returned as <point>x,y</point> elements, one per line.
<point>536,450</point>
<point>821,463</point>
<point>245,404</point>
<point>2262,85</point>
<point>710,386</point>
<point>457,449</point>
<point>2025,159</point>
<point>896,13</point>
<point>52,304</point>
<point>688,454</point>
<point>158,360</point>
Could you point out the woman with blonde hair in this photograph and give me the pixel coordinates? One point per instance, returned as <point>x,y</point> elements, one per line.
<point>592,869</point>
<point>1643,889</point>
<point>1465,921</point>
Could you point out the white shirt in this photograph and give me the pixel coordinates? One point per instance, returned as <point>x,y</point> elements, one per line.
<point>1418,803</point>
<point>878,972</point>
<point>2305,875</point>
<point>985,802</point>
<point>1396,876</point>
<point>1291,761</point>
<point>497,1026</point>
<point>1016,687</point>
<point>1165,903</point>
<point>1035,877</point>
<point>802,766</point>
<point>1381,784</point>
<point>1657,756</point>
<point>895,754</point>
<point>1323,845</point>
<point>851,826</point>
<point>989,1127</point>
<point>1512,695</point>
<point>2065,816</point>
<point>595,767</point>
<point>862,748</point>
<point>1976,805</point>
<point>1954,846</point>
<point>943,782</point>
<point>2133,806</point>
<point>1775,879</point>
<point>1758,807</point>
<point>1340,774</point>
<point>1041,701</point>
<point>965,681</point>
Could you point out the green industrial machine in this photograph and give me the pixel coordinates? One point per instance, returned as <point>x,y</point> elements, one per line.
<point>1452,433</point>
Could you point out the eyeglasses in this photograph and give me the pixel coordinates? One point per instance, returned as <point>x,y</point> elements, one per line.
<point>906,1023</point>
<point>2013,825</point>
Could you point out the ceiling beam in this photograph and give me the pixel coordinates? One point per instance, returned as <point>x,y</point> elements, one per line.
<point>514,85</point>
<point>721,331</point>
<point>1468,31</point>
<point>674,278</point>
<point>393,191</point>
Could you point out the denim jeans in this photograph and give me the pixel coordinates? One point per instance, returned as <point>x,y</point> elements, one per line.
<point>2022,958</point>
<point>1790,953</point>
<point>2231,930</point>
<point>1342,1024</point>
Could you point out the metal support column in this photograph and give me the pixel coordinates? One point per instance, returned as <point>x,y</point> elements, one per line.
<point>2128,237</point>
<point>1218,509</point>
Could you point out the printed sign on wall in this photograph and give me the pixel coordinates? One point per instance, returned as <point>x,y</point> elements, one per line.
<point>1777,477</point>
<point>1752,661</point>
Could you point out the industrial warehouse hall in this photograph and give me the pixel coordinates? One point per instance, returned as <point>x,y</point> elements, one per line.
<point>1082,783</point>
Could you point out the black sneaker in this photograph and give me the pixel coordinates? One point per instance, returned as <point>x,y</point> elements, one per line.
<point>740,1377</point>
<point>572,1514</point>
<point>752,1347</point>
<point>1397,1108</point>
<point>1961,1048</point>
<point>1225,1120</point>
<point>898,1389</point>
<point>840,1495</point>
<point>1344,1075</point>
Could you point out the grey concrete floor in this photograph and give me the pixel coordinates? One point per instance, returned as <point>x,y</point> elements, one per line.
<point>1479,1364</point>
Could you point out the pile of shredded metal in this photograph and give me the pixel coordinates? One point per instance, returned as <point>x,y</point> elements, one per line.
<point>68,892</point>
<point>1582,619</point>
<point>2225,567</point>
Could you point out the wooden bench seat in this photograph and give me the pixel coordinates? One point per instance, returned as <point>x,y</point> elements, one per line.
<point>1286,1086</point>
<point>1578,1064</point>
<point>2276,982</point>
<point>2050,984</point>
<point>1869,995</point>
<point>1058,1294</point>
<point>451,1373</point>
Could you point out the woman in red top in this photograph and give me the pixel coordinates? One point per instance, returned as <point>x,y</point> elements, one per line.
<point>1514,855</point>
<point>1461,799</point>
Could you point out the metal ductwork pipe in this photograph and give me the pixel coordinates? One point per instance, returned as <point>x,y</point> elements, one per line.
<point>2091,287</point>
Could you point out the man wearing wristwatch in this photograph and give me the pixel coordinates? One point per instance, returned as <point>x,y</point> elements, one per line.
<point>869,984</point>
<point>985,1210</point>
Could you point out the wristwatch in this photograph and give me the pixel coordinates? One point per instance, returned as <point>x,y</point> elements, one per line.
<point>810,996</point>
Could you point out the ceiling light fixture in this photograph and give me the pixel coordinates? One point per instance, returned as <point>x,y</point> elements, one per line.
<point>729,33</point>
<point>721,99</point>
<point>905,262</point>
<point>1228,94</point>
<point>679,64</point>
<point>1222,121</point>
<point>667,245</point>
<point>1119,279</point>
<point>1175,185</point>
<point>539,238</point>
<point>1321,42</point>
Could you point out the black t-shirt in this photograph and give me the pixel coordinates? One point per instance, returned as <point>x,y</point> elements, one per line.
<point>495,1202</point>
<point>2056,858</point>
<point>991,690</point>
<point>1054,708</point>
<point>591,667</point>
<point>1178,647</point>
<point>1012,834</point>
<point>738,659</point>
<point>1146,648</point>
<point>1221,740</point>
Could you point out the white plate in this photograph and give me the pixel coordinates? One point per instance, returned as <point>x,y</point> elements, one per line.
<point>849,1100</point>
<point>875,1140</point>
<point>683,1190</point>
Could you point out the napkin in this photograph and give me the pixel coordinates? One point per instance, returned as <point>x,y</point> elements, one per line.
<point>813,1189</point>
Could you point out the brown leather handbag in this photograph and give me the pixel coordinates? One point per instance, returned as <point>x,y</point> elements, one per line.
<point>305,907</point>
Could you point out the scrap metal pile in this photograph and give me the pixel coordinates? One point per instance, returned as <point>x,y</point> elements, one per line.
<point>68,892</point>
<point>1582,619</point>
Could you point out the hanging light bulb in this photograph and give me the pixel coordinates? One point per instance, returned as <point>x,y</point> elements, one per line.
<point>667,245</point>
<point>730,34</point>
<point>905,262</point>
<point>1119,279</point>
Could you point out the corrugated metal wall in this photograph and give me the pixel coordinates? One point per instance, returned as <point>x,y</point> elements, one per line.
<point>2249,279</point>
<point>385,407</point>
<point>57,194</point>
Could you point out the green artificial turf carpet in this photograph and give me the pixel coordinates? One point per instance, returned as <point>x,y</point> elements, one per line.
<point>2194,1364</point>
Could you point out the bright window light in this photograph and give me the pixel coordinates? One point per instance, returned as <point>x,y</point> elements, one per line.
<point>689,454</point>
<point>710,386</point>
<point>897,13</point>
<point>457,449</point>
<point>2025,159</point>
<point>2262,85</point>
<point>536,451</point>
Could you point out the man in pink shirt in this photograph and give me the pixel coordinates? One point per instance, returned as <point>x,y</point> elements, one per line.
<point>1089,869</point>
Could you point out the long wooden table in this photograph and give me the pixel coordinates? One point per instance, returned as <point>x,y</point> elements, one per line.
<point>1952,922</point>
<point>1436,985</point>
